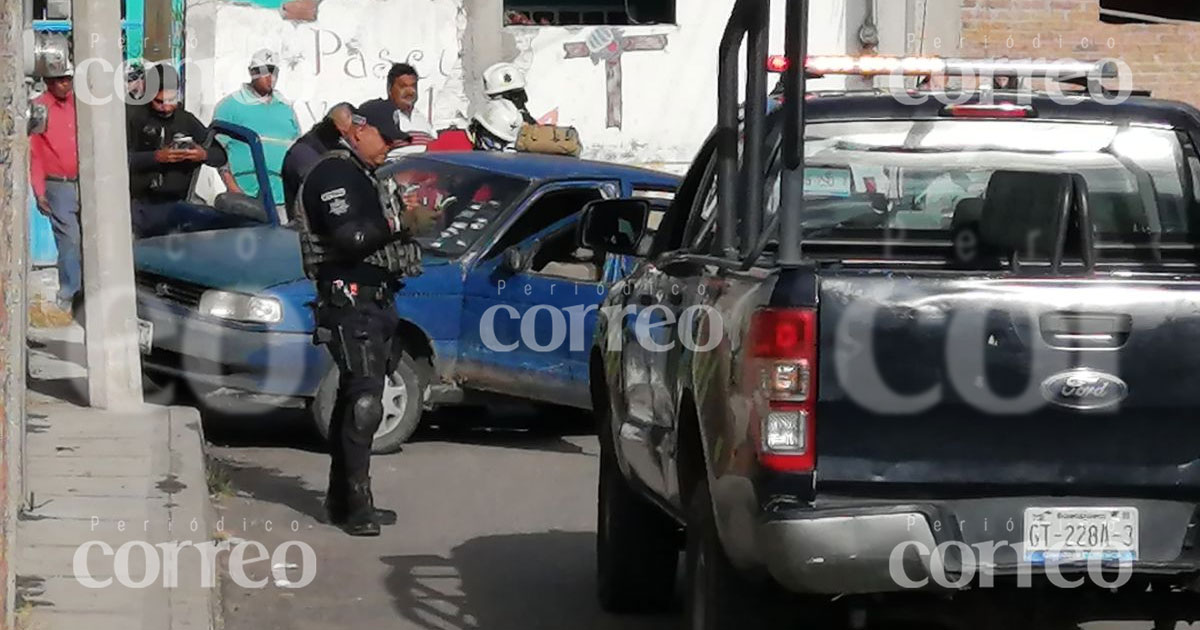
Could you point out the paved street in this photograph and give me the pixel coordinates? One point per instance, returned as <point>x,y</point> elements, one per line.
<point>496,532</point>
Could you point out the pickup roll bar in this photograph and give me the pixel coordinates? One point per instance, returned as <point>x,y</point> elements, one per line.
<point>795,81</point>
<point>750,22</point>
<point>727,128</point>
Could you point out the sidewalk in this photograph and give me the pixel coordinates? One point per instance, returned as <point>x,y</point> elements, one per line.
<point>114,478</point>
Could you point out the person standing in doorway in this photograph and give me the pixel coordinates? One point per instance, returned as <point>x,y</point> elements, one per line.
<point>54,176</point>
<point>260,107</point>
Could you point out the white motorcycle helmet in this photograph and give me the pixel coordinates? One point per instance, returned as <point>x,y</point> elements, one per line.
<point>501,78</point>
<point>501,119</point>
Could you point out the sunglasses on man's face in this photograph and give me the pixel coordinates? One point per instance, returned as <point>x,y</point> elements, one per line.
<point>264,71</point>
<point>160,100</point>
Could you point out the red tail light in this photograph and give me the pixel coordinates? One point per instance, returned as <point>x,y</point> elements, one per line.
<point>782,372</point>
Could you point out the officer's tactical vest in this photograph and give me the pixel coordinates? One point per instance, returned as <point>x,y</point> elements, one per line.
<point>401,257</point>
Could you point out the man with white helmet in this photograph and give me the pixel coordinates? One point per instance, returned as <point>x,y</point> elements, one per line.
<point>496,126</point>
<point>504,81</point>
<point>258,106</point>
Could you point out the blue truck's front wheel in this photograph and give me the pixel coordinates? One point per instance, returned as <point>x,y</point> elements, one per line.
<point>403,403</point>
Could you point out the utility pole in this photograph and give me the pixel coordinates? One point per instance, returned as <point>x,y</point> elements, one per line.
<point>110,303</point>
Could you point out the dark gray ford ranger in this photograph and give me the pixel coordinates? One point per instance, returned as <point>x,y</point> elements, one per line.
<point>965,356</point>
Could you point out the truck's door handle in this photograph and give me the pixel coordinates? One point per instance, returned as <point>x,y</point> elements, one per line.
<point>1086,330</point>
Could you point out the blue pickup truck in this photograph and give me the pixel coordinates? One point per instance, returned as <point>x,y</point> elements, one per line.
<point>226,310</point>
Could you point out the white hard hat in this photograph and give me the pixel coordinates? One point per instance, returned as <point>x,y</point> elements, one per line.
<point>502,118</point>
<point>58,67</point>
<point>55,62</point>
<point>502,77</point>
<point>264,58</point>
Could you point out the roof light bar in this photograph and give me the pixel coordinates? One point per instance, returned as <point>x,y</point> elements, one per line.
<point>997,110</point>
<point>922,66</point>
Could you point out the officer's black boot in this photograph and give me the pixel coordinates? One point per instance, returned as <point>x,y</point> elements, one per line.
<point>336,501</point>
<point>385,517</point>
<point>362,519</point>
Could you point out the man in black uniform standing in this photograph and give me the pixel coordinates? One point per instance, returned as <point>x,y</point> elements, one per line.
<point>356,245</point>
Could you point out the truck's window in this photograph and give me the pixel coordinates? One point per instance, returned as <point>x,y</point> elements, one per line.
<point>919,179</point>
<point>551,208</point>
<point>471,200</point>
<point>701,227</point>
<point>1192,165</point>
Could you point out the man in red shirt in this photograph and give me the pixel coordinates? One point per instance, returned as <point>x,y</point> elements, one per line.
<point>54,175</point>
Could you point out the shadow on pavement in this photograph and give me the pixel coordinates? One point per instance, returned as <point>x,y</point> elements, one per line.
<point>57,366</point>
<point>512,582</point>
<point>246,425</point>
<point>69,390</point>
<point>273,486</point>
<point>263,427</point>
<point>508,427</point>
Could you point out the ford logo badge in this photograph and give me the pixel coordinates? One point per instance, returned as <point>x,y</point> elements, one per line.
<point>1084,389</point>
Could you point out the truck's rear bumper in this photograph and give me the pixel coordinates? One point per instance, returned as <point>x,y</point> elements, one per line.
<point>881,547</point>
<point>844,552</point>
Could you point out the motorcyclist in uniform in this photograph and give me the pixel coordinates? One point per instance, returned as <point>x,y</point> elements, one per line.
<point>505,81</point>
<point>496,126</point>
<point>356,241</point>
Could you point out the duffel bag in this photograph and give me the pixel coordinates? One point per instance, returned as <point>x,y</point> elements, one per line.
<point>549,139</point>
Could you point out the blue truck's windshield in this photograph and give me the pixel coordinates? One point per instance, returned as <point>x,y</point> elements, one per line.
<point>470,200</point>
<point>914,176</point>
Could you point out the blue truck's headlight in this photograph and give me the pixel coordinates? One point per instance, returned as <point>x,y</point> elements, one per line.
<point>240,307</point>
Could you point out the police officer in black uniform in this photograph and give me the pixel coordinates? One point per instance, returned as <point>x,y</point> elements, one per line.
<point>356,243</point>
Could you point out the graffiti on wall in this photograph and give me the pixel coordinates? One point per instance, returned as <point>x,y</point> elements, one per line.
<point>344,55</point>
<point>292,10</point>
<point>607,45</point>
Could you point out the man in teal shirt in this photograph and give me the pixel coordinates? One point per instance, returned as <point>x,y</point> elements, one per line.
<point>260,108</point>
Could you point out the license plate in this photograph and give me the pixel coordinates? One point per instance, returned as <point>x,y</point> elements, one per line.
<point>145,336</point>
<point>1058,535</point>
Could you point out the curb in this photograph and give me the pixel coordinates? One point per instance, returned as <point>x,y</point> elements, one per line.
<point>191,608</point>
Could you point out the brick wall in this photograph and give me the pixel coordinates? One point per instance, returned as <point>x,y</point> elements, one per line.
<point>1164,58</point>
<point>13,196</point>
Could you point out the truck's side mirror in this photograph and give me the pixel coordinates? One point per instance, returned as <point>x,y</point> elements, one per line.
<point>514,260</point>
<point>614,226</point>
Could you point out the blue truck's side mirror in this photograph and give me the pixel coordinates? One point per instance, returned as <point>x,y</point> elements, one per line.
<point>614,226</point>
<point>514,260</point>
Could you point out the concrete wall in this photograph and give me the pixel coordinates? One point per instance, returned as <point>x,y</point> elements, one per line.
<point>651,101</point>
<point>342,55</point>
<point>13,200</point>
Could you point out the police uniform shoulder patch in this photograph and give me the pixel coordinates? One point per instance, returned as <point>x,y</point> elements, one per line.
<point>337,193</point>
<point>338,207</point>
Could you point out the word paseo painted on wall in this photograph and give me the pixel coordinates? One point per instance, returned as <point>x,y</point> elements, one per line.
<point>331,53</point>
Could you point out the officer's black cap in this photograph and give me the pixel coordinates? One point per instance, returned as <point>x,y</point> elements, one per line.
<point>381,114</point>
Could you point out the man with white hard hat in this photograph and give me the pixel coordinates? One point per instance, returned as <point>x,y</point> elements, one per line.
<point>496,126</point>
<point>505,81</point>
<point>257,105</point>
